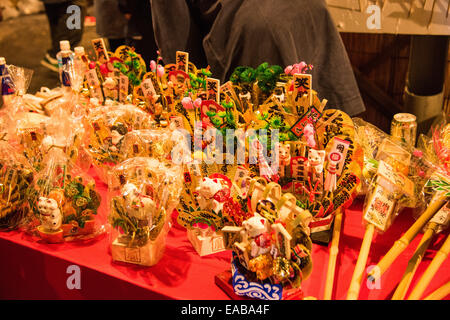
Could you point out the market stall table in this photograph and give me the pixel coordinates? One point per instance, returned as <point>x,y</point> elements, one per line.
<point>35,270</point>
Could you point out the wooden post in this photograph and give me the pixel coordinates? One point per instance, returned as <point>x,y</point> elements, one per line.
<point>355,284</point>
<point>334,250</point>
<point>439,258</point>
<point>404,284</point>
<point>401,244</point>
<point>440,293</point>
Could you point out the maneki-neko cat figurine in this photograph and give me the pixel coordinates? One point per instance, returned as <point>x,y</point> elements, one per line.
<point>51,219</point>
<point>64,202</point>
<point>142,194</point>
<point>203,209</point>
<point>271,249</point>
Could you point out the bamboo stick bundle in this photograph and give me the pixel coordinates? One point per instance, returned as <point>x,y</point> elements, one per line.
<point>431,271</point>
<point>439,222</point>
<point>439,293</point>
<point>400,245</point>
<point>380,208</point>
<point>334,250</point>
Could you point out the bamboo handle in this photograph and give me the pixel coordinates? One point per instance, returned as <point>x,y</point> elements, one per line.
<point>414,262</point>
<point>440,293</point>
<point>334,249</point>
<point>355,284</point>
<point>440,257</point>
<point>405,240</point>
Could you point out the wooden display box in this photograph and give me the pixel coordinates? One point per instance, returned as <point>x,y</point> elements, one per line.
<point>147,255</point>
<point>206,245</point>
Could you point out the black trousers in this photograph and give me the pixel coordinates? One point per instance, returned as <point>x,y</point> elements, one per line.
<point>57,18</point>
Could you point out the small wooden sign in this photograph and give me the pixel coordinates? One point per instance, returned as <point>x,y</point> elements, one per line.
<point>283,240</point>
<point>302,87</point>
<point>182,61</point>
<point>123,88</point>
<point>231,235</point>
<point>380,208</point>
<point>340,147</point>
<point>94,84</point>
<point>100,50</point>
<point>147,88</point>
<point>442,217</point>
<point>398,179</point>
<point>213,89</point>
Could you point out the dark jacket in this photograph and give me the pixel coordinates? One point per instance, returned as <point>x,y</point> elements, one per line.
<point>230,33</point>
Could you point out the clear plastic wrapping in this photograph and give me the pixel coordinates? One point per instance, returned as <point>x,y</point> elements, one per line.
<point>20,80</point>
<point>142,193</point>
<point>106,129</point>
<point>64,202</point>
<point>16,176</point>
<point>153,143</point>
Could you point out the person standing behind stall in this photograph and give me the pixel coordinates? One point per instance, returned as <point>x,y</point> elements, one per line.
<point>111,23</point>
<point>57,15</point>
<point>225,34</point>
<point>140,27</point>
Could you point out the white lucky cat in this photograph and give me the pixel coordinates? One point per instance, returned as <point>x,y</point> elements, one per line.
<point>258,236</point>
<point>207,189</point>
<point>50,215</point>
<point>285,158</point>
<point>137,205</point>
<point>316,159</point>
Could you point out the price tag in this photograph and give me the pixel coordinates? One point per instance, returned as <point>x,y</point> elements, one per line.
<point>442,217</point>
<point>380,208</point>
<point>94,84</point>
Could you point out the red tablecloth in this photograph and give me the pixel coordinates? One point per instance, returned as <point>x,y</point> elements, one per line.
<point>34,270</point>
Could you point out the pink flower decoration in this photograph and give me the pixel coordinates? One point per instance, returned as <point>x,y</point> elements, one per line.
<point>288,69</point>
<point>198,102</point>
<point>160,71</point>
<point>187,103</point>
<point>418,153</point>
<point>153,65</point>
<point>300,67</point>
<point>308,131</point>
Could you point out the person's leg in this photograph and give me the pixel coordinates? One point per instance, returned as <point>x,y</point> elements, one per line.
<point>52,12</point>
<point>73,35</point>
<point>142,19</point>
<point>58,17</point>
<point>176,29</point>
